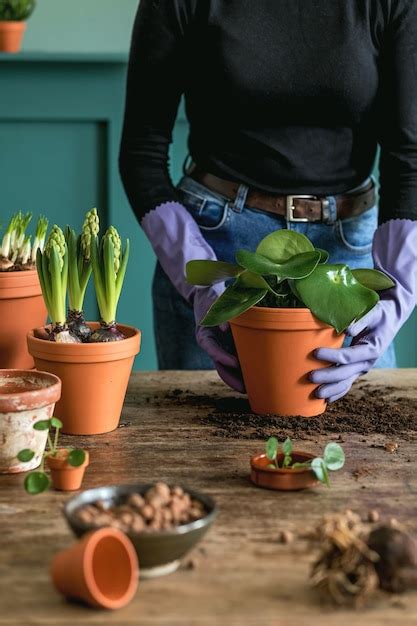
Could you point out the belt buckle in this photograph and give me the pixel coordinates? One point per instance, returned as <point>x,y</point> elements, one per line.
<point>290,208</point>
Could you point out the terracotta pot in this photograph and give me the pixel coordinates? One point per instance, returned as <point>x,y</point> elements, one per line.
<point>66,477</point>
<point>11,35</point>
<point>26,397</point>
<point>94,378</point>
<point>21,309</point>
<point>282,479</point>
<point>101,569</point>
<point>275,349</point>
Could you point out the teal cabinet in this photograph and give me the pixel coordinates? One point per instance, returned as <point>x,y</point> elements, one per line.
<point>60,120</point>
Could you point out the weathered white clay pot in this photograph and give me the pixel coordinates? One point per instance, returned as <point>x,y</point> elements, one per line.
<point>26,397</point>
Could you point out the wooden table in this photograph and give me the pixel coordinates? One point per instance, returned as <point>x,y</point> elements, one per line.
<point>241,574</point>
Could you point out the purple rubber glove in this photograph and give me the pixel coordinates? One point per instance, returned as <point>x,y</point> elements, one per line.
<point>395,253</point>
<point>176,239</point>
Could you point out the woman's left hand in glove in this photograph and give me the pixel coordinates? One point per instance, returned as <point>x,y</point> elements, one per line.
<point>395,253</point>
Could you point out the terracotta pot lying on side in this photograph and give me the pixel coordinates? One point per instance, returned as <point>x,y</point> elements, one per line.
<point>94,378</point>
<point>282,479</point>
<point>21,309</point>
<point>26,397</point>
<point>275,349</point>
<point>101,569</point>
<point>11,35</point>
<point>66,477</point>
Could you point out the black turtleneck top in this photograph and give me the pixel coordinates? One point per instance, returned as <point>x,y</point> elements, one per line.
<point>288,96</point>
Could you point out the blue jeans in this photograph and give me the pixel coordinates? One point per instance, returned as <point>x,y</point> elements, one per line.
<point>228,226</point>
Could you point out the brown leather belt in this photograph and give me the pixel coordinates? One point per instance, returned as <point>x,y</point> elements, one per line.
<point>295,208</point>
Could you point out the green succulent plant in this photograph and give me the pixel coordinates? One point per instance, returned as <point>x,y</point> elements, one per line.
<point>333,459</point>
<point>16,10</point>
<point>286,270</point>
<point>38,481</point>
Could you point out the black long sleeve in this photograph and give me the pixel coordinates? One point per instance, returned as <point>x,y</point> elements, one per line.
<point>398,119</point>
<point>289,96</point>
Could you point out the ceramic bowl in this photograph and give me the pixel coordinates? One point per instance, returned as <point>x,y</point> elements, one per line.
<point>282,479</point>
<point>159,552</point>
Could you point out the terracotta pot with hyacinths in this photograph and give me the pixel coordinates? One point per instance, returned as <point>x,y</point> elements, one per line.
<point>21,303</point>
<point>100,354</point>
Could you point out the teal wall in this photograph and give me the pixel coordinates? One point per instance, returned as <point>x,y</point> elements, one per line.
<point>59,129</point>
<point>81,26</point>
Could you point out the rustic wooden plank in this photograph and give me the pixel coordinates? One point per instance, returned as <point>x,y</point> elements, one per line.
<point>243,575</point>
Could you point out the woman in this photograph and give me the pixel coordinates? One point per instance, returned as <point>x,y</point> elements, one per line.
<point>287,101</point>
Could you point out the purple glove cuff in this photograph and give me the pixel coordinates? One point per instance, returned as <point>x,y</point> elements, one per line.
<point>395,253</point>
<point>176,239</point>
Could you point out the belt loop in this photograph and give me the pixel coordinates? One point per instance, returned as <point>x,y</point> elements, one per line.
<point>188,165</point>
<point>329,210</point>
<point>240,200</point>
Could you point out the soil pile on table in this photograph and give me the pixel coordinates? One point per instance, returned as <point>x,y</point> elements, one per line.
<point>365,410</point>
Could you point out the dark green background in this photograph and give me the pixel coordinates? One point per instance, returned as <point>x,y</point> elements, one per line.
<point>60,110</point>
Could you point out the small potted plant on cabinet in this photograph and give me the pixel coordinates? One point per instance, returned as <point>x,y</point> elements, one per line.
<point>13,16</point>
<point>284,301</point>
<point>21,303</point>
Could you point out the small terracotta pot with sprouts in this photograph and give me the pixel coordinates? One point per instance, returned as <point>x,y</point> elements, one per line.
<point>93,359</point>
<point>21,303</point>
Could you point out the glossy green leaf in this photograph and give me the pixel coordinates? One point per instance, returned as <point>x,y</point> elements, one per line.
<point>42,425</point>
<point>25,455</point>
<point>210,272</point>
<point>36,482</point>
<point>298,266</point>
<point>56,423</point>
<point>333,295</point>
<point>324,255</point>
<point>76,457</point>
<point>233,301</point>
<point>287,446</point>
<point>319,468</point>
<point>256,263</point>
<point>373,279</point>
<point>281,245</point>
<point>251,280</point>
<point>334,456</point>
<point>271,448</point>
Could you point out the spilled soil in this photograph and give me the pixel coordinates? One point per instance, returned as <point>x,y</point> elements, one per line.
<point>366,410</point>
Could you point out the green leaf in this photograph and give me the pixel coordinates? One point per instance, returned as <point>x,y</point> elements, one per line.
<point>319,468</point>
<point>281,245</point>
<point>42,425</point>
<point>334,456</point>
<point>287,446</point>
<point>233,302</point>
<point>210,272</point>
<point>298,266</point>
<point>271,466</point>
<point>76,457</point>
<point>25,455</point>
<point>324,255</point>
<point>333,295</point>
<point>373,279</point>
<point>301,465</point>
<point>251,280</point>
<point>56,423</point>
<point>271,448</point>
<point>257,263</point>
<point>36,482</point>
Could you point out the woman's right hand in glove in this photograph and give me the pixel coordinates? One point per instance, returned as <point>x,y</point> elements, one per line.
<point>177,239</point>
